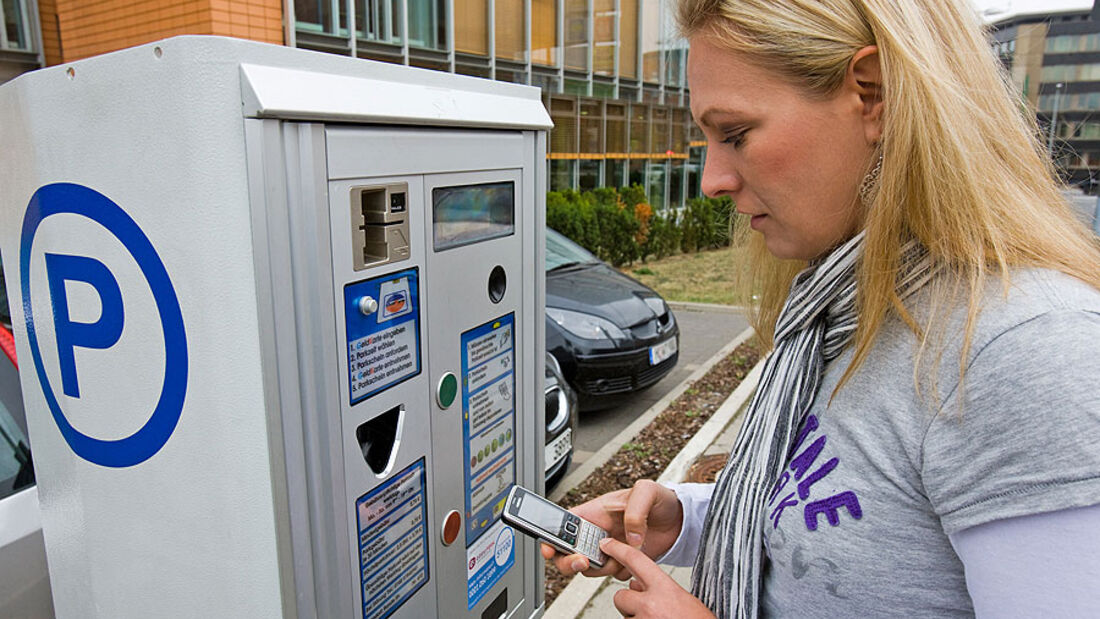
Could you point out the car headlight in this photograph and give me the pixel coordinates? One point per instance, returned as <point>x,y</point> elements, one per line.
<point>585,326</point>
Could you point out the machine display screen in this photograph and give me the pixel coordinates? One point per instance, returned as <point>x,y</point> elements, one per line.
<point>472,213</point>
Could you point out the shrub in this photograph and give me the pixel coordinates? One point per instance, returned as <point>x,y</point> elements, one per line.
<point>618,227</point>
<point>706,223</point>
<point>571,214</point>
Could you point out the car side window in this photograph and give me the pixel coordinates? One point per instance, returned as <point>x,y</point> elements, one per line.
<point>5,311</point>
<point>16,470</point>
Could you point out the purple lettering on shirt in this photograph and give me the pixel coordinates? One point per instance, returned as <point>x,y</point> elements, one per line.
<point>779,485</point>
<point>830,507</point>
<point>788,501</point>
<point>811,425</point>
<point>803,461</point>
<point>804,487</point>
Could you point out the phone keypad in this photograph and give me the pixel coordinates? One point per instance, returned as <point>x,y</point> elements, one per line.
<point>588,541</point>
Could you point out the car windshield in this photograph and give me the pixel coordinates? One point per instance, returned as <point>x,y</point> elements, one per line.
<point>561,252</point>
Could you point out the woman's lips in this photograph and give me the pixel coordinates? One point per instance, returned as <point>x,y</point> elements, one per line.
<point>757,221</point>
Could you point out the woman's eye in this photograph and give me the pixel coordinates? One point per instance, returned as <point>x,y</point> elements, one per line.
<point>737,138</point>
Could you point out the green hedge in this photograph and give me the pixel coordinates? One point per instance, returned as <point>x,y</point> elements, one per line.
<point>620,226</point>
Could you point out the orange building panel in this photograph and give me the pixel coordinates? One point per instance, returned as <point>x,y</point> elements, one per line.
<point>74,29</point>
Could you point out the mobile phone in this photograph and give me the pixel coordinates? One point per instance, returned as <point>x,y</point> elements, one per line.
<point>567,532</point>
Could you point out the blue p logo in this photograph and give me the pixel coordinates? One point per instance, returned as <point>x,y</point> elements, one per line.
<point>102,333</point>
<point>107,329</point>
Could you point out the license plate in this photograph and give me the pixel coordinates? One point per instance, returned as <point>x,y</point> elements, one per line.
<point>559,448</point>
<point>662,351</point>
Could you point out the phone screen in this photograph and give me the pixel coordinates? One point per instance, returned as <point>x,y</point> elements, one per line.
<point>541,513</point>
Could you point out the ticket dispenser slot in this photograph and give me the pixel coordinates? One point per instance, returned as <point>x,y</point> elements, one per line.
<point>380,225</point>
<point>378,437</point>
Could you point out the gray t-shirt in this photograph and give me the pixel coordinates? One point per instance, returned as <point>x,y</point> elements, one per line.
<point>858,525</point>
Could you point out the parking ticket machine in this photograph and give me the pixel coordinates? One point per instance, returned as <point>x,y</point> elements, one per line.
<point>279,324</point>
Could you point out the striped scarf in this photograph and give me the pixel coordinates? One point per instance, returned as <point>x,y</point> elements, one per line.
<point>817,323</point>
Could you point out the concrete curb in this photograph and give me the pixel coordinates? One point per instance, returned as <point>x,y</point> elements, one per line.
<point>708,307</point>
<point>572,601</point>
<point>597,460</point>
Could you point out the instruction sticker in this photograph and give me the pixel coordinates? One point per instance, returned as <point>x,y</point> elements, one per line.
<point>393,541</point>
<point>488,559</point>
<point>488,430</point>
<point>383,344</point>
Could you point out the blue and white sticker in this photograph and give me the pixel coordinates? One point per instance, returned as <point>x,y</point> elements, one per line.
<point>383,346</point>
<point>80,344</point>
<point>488,560</point>
<point>488,432</point>
<point>393,541</point>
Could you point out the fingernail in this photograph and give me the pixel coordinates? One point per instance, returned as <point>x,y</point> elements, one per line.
<point>579,565</point>
<point>605,542</point>
<point>634,539</point>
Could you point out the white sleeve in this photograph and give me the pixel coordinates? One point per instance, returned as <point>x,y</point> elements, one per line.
<point>695,499</point>
<point>1041,565</point>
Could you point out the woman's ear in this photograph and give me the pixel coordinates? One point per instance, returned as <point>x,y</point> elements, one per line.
<point>865,79</point>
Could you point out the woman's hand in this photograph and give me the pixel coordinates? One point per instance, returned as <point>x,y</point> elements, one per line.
<point>647,517</point>
<point>652,593</point>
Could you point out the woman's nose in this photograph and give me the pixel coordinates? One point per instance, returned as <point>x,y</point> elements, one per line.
<point>719,176</point>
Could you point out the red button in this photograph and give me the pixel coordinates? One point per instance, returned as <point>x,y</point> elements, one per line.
<point>452,526</point>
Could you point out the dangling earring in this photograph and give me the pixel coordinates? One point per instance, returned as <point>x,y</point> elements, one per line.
<point>869,187</point>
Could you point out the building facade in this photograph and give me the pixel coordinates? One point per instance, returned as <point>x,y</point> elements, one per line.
<point>612,72</point>
<point>1054,61</point>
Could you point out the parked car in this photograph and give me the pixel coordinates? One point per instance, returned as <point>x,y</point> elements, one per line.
<point>561,423</point>
<point>24,578</point>
<point>610,334</point>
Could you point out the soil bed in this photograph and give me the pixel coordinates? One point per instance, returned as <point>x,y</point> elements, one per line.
<point>647,455</point>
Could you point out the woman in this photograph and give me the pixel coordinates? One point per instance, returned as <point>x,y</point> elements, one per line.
<point>925,440</point>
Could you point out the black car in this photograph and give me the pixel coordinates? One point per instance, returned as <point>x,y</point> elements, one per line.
<point>610,334</point>
<point>561,423</point>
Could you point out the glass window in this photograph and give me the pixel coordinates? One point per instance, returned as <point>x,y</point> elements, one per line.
<point>15,32</point>
<point>656,183</point>
<point>544,32</point>
<point>639,129</point>
<point>637,172</point>
<point>588,174</point>
<point>16,470</point>
<point>606,42</point>
<point>426,23</point>
<point>591,126</point>
<point>471,27</point>
<point>510,24</point>
<point>676,184</point>
<point>614,173</point>
<point>576,34</point>
<point>313,15</point>
<point>691,178</point>
<point>561,174</point>
<point>5,310</point>
<point>563,137</point>
<point>603,90</point>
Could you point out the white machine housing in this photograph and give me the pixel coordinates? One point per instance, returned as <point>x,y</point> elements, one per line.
<point>324,335</point>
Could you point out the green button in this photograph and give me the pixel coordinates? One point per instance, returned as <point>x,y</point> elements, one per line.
<point>448,389</point>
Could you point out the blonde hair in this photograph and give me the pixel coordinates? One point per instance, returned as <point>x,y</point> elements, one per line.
<point>963,170</point>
